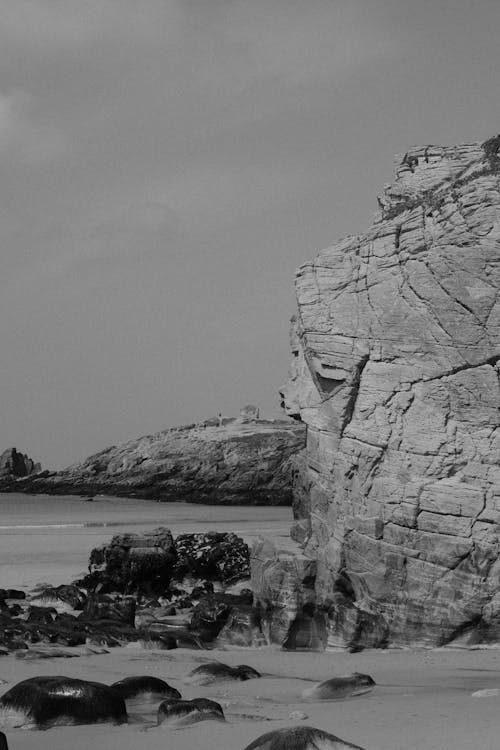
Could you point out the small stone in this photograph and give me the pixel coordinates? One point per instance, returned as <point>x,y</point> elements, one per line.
<point>298,716</point>
<point>486,693</point>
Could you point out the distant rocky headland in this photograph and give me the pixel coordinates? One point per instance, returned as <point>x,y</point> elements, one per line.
<point>395,372</point>
<point>245,460</point>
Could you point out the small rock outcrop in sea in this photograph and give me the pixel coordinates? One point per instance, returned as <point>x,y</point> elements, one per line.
<point>14,465</point>
<point>395,372</point>
<point>246,461</point>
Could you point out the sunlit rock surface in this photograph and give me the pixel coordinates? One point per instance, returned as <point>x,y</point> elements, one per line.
<point>395,372</point>
<point>228,461</point>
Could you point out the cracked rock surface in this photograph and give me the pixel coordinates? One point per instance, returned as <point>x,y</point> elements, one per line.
<point>396,348</point>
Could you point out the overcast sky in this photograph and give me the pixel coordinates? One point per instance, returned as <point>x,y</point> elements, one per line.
<point>165,167</point>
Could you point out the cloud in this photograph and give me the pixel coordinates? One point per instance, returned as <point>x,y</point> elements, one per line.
<point>295,42</point>
<point>136,233</point>
<point>24,139</point>
<point>66,23</point>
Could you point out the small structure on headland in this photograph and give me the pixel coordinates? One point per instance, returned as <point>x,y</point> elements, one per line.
<point>249,413</point>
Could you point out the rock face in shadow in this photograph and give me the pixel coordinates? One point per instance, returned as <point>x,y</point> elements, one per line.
<point>236,462</point>
<point>396,348</point>
<point>283,584</point>
<point>14,464</point>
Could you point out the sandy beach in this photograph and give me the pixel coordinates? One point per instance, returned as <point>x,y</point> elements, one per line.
<point>422,700</point>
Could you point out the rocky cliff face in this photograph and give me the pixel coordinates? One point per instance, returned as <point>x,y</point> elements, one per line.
<point>396,349</point>
<point>232,463</point>
<point>14,464</point>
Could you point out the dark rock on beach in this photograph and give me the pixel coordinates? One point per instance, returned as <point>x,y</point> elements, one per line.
<point>217,556</point>
<point>147,587</point>
<point>133,563</point>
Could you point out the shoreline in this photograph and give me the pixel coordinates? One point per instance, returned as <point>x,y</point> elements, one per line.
<point>424,698</point>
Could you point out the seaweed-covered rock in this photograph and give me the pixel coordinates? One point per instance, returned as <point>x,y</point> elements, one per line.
<point>213,556</point>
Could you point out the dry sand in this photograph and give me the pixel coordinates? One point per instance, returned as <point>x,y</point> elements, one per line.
<point>423,699</point>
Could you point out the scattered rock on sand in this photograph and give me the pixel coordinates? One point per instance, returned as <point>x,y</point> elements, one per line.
<point>48,652</point>
<point>300,738</point>
<point>298,716</point>
<point>213,556</point>
<point>486,693</point>
<point>216,671</point>
<point>42,702</point>
<point>145,688</point>
<point>183,712</point>
<point>340,687</point>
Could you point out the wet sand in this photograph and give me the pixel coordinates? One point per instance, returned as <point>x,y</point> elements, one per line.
<point>422,701</point>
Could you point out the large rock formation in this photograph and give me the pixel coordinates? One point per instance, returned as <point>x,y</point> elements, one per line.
<point>228,463</point>
<point>395,372</point>
<point>14,464</point>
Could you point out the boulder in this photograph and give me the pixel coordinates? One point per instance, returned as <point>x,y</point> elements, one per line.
<point>395,372</point>
<point>212,556</point>
<point>138,563</point>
